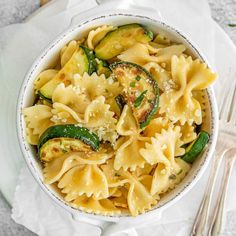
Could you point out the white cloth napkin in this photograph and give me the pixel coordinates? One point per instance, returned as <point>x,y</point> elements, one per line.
<point>21,43</point>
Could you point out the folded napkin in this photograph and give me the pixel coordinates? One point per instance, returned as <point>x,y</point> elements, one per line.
<point>19,46</point>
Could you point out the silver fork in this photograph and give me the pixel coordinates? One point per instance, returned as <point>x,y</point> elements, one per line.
<point>224,148</point>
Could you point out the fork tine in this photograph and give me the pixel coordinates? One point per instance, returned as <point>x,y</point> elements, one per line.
<point>232,115</point>
<point>229,101</point>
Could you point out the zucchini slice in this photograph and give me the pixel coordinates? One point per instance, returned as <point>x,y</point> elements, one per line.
<point>83,60</point>
<point>120,39</point>
<point>70,131</point>
<point>92,65</point>
<point>55,147</point>
<point>196,147</point>
<point>103,68</point>
<point>43,97</point>
<point>140,90</point>
<point>78,64</point>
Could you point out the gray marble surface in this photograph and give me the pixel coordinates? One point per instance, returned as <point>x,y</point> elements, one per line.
<point>14,11</point>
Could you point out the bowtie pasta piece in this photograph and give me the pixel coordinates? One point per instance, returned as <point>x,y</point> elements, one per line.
<point>38,119</point>
<point>95,36</point>
<point>127,124</point>
<point>55,169</point>
<point>178,103</point>
<point>139,199</point>
<point>164,147</point>
<point>98,114</point>
<point>92,205</point>
<point>68,51</point>
<point>139,54</point>
<point>90,181</point>
<point>101,120</point>
<point>127,154</point>
<point>94,86</point>
<point>156,125</point>
<point>166,178</point>
<point>162,76</point>
<point>72,97</point>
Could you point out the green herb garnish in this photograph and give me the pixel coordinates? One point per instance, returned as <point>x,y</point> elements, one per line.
<point>132,84</point>
<point>180,171</point>
<point>138,77</point>
<point>64,150</point>
<point>232,25</point>
<point>172,176</point>
<point>139,99</point>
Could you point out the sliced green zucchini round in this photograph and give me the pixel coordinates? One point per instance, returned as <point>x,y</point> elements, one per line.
<point>196,147</point>
<point>78,64</point>
<point>120,39</point>
<point>70,131</point>
<point>140,90</point>
<point>56,147</point>
<point>83,60</point>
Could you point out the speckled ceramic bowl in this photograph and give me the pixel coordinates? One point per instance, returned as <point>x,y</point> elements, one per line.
<point>49,55</point>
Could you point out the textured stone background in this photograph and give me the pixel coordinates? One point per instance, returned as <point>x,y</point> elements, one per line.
<point>14,11</point>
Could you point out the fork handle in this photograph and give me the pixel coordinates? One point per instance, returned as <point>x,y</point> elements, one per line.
<point>199,226</point>
<point>217,218</point>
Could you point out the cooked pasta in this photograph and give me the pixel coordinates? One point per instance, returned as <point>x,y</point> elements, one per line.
<point>102,136</point>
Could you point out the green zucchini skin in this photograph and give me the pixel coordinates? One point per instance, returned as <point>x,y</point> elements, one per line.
<point>120,102</point>
<point>127,73</point>
<point>195,148</point>
<point>122,38</point>
<point>66,73</point>
<point>56,147</point>
<point>92,65</point>
<point>70,131</point>
<point>103,68</point>
<point>44,97</point>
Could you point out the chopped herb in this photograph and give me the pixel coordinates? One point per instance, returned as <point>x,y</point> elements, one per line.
<point>117,175</point>
<point>180,171</point>
<point>138,77</point>
<point>172,176</point>
<point>132,84</point>
<point>232,25</point>
<point>64,150</point>
<point>106,90</point>
<point>150,100</point>
<point>139,99</point>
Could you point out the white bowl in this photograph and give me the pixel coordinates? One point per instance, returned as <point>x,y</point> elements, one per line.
<point>26,98</point>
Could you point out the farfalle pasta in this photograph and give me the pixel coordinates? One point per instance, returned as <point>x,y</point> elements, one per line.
<point>117,123</point>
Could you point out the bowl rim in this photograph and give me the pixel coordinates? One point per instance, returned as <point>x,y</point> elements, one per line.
<point>23,142</point>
